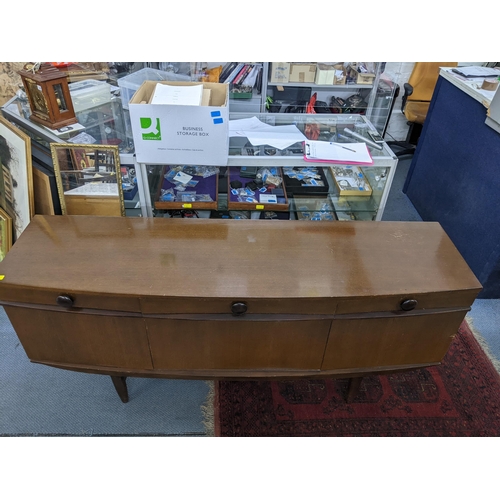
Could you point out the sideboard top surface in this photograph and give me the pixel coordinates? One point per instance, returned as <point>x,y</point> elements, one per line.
<point>157,257</point>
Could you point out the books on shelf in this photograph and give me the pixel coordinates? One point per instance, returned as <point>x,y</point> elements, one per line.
<point>241,74</point>
<point>242,78</point>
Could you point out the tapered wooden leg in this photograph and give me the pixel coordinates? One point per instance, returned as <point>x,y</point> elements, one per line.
<point>121,387</point>
<point>352,390</point>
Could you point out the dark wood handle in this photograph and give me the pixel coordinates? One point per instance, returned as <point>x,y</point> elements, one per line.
<point>65,300</point>
<point>408,304</point>
<point>238,308</point>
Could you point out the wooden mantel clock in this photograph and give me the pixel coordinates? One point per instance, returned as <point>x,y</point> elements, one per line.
<point>48,94</point>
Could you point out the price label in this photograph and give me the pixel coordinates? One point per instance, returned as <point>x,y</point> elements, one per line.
<point>187,205</point>
<point>259,207</point>
<point>268,198</point>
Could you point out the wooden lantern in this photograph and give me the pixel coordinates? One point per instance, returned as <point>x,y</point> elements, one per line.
<point>48,95</point>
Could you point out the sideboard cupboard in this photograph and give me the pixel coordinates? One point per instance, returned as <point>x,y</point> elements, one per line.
<point>234,299</point>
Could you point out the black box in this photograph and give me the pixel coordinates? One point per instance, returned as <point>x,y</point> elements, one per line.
<point>295,186</point>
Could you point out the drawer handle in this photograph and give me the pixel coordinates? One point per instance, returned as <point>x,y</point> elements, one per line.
<point>65,300</point>
<point>238,308</point>
<point>408,304</point>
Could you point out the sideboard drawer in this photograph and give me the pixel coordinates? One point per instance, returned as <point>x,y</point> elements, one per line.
<point>390,341</point>
<point>63,299</point>
<point>237,344</point>
<point>200,305</point>
<point>407,302</point>
<point>81,339</point>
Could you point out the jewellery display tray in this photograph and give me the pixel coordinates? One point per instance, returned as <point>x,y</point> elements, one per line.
<point>346,183</point>
<point>233,174</point>
<point>295,186</point>
<point>208,185</point>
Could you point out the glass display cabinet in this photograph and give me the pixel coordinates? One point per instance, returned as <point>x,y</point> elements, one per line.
<point>299,189</point>
<point>262,181</point>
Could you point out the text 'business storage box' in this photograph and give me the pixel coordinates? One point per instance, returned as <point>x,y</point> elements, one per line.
<point>181,134</point>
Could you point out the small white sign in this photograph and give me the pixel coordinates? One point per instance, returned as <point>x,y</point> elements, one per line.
<point>268,198</point>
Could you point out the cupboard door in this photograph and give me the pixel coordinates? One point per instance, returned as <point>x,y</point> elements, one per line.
<point>239,344</point>
<point>390,341</point>
<point>81,339</point>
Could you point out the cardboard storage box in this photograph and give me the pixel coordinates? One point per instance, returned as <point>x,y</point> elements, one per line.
<point>325,74</point>
<point>359,77</point>
<point>181,134</point>
<point>340,75</point>
<point>280,72</point>
<point>302,72</point>
<point>88,94</point>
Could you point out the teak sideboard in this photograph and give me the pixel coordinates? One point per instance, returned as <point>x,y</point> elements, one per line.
<point>235,299</point>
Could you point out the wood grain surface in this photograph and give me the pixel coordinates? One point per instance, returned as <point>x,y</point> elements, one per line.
<point>156,259</point>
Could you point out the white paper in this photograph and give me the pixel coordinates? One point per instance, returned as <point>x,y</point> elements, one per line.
<point>182,177</point>
<point>188,95</point>
<point>356,152</point>
<point>95,189</point>
<point>489,94</point>
<point>279,137</point>
<point>83,138</point>
<point>66,129</point>
<point>476,71</point>
<point>239,128</point>
<point>259,133</point>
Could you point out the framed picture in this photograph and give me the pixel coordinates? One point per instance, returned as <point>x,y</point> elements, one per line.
<point>45,190</point>
<point>5,233</point>
<point>89,179</point>
<point>16,178</point>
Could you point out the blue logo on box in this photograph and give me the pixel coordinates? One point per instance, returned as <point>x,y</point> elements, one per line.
<point>216,117</point>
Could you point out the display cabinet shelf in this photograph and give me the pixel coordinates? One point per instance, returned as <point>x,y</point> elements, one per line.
<point>288,200</point>
<point>347,86</point>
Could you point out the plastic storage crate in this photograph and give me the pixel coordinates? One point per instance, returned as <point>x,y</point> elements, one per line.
<point>130,83</point>
<point>89,94</point>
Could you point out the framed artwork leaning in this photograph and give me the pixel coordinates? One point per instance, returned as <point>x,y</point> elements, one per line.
<point>45,190</point>
<point>16,177</point>
<point>89,179</point>
<point>5,233</point>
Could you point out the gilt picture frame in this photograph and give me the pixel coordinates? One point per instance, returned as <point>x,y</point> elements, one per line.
<point>5,233</point>
<point>89,179</point>
<point>16,176</point>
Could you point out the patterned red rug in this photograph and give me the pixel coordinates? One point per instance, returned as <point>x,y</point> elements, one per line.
<point>460,397</point>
